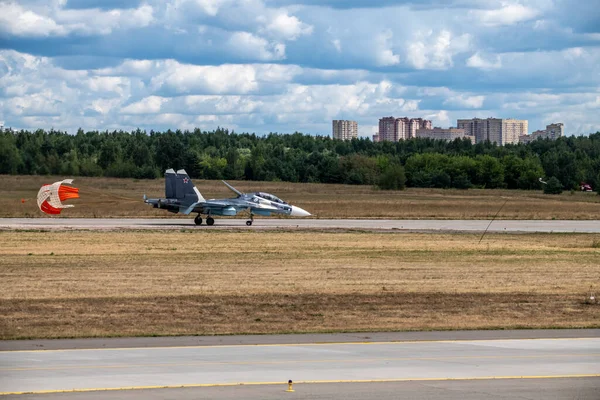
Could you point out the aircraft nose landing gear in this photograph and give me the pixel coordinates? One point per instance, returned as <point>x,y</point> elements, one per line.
<point>249,222</point>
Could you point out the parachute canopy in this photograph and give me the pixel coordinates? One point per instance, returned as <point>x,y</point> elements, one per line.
<point>50,197</point>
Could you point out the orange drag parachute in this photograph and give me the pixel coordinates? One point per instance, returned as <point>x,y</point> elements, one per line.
<point>50,197</point>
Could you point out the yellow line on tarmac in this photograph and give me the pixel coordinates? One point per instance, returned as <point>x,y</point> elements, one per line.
<point>398,342</point>
<point>198,385</point>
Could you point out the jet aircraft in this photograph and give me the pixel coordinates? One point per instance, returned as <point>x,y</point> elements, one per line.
<point>181,196</point>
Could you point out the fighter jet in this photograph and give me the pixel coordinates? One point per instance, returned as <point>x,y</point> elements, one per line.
<point>183,197</point>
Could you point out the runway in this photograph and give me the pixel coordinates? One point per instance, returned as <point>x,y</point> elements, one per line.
<point>511,226</point>
<point>206,369</point>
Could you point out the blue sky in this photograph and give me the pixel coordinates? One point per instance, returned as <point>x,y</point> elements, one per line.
<point>294,65</point>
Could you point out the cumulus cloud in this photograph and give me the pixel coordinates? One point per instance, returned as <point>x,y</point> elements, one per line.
<point>429,50</point>
<point>441,118</point>
<point>287,65</point>
<point>250,46</point>
<point>384,54</point>
<point>210,7</point>
<point>478,60</point>
<point>463,101</point>
<point>286,27</point>
<point>508,14</point>
<point>182,78</point>
<point>19,21</point>
<point>148,105</point>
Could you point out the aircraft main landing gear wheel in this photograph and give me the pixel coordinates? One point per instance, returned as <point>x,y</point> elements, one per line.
<point>198,220</point>
<point>248,223</point>
<point>210,221</point>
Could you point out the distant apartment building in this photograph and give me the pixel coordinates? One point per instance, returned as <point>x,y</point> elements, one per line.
<point>394,129</point>
<point>416,124</point>
<point>387,130</point>
<point>344,130</point>
<point>496,130</point>
<point>444,134</point>
<point>552,132</point>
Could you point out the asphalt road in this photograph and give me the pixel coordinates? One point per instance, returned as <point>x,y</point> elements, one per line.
<point>268,366</point>
<point>308,338</point>
<point>502,389</point>
<point>566,226</point>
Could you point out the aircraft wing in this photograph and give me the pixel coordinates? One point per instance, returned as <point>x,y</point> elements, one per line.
<point>234,190</point>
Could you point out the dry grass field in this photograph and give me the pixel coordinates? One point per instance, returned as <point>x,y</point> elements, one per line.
<point>83,284</point>
<point>108,197</point>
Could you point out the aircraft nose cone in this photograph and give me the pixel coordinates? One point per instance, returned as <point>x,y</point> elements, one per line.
<point>298,212</point>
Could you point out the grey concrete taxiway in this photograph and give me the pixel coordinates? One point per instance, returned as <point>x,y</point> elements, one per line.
<point>500,389</point>
<point>514,226</point>
<point>271,365</point>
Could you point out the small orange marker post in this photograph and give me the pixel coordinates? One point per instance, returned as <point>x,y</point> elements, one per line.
<point>290,389</point>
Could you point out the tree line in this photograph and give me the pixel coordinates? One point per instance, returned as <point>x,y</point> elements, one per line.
<point>221,154</point>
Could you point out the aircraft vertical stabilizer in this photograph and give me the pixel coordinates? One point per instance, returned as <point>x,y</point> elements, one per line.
<point>170,181</point>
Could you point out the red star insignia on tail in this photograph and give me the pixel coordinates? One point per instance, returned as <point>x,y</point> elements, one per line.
<point>185,180</point>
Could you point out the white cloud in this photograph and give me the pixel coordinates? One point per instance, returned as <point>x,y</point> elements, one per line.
<point>441,118</point>
<point>507,15</point>
<point>384,55</point>
<point>337,44</point>
<point>148,105</point>
<point>18,21</point>
<point>180,78</point>
<point>111,84</point>
<point>286,27</point>
<point>42,103</point>
<point>98,22</point>
<point>142,68</point>
<point>478,60</point>
<point>464,101</point>
<point>219,62</point>
<point>430,51</point>
<point>210,7</point>
<point>250,46</point>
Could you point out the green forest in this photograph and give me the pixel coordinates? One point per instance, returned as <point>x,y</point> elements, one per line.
<point>297,157</point>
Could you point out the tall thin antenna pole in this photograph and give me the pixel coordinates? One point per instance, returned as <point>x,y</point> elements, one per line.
<point>488,227</point>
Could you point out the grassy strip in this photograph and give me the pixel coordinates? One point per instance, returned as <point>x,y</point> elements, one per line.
<point>276,313</point>
<point>81,283</point>
<point>111,197</point>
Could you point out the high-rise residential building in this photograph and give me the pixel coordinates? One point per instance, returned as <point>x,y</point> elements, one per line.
<point>393,129</point>
<point>534,136</point>
<point>474,127</point>
<point>444,134</point>
<point>496,130</point>
<point>402,128</point>
<point>552,132</point>
<point>418,123</point>
<point>344,130</point>
<point>387,130</point>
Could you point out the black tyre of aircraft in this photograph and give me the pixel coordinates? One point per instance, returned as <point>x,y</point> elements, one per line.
<point>198,220</point>
<point>210,221</point>
<point>248,223</point>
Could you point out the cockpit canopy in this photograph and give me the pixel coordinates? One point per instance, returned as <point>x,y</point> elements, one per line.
<point>270,197</point>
